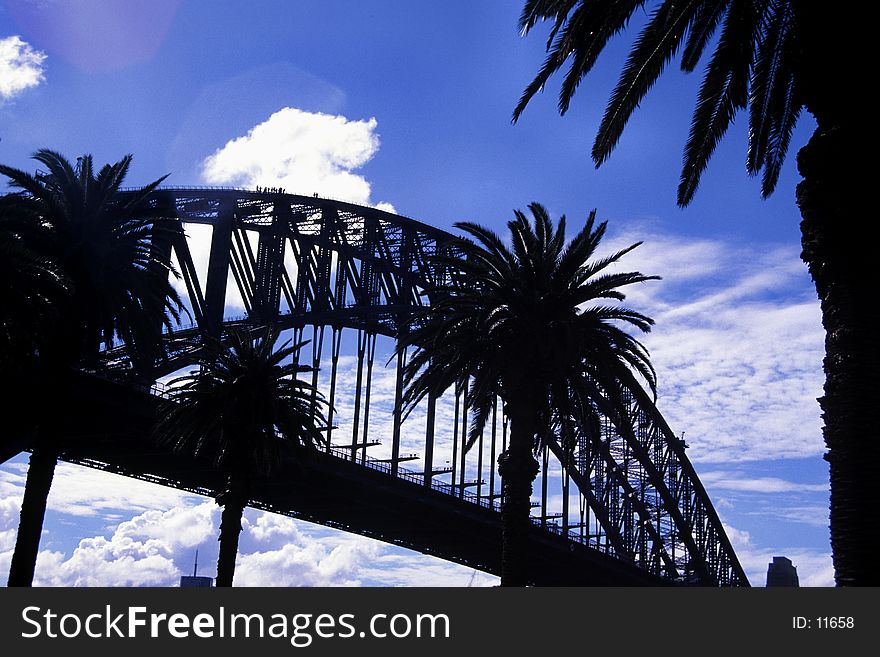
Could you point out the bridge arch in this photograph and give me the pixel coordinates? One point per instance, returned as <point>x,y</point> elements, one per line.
<point>308,264</point>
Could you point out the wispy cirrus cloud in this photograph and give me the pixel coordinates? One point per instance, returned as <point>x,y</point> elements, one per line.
<point>91,493</point>
<point>738,344</point>
<point>21,67</point>
<point>727,481</point>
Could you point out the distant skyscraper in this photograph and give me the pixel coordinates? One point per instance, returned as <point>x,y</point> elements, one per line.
<point>194,581</point>
<point>781,572</point>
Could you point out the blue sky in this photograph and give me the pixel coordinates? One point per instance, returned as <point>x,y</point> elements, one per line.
<point>408,104</point>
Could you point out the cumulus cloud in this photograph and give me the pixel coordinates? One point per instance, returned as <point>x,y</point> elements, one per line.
<point>155,547</point>
<point>279,551</point>
<point>9,510</point>
<point>302,152</point>
<point>21,67</point>
<point>148,550</point>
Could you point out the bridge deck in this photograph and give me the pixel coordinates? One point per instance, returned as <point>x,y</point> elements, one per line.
<point>111,427</point>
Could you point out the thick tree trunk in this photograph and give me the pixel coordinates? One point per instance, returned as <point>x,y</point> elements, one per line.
<point>842,262</point>
<point>518,469</point>
<point>233,500</point>
<point>33,509</point>
<point>839,249</point>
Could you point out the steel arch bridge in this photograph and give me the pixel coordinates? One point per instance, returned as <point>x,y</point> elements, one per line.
<point>347,278</point>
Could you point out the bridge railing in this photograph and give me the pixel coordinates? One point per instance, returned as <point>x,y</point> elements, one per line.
<point>384,466</point>
<point>415,477</point>
<point>160,390</point>
<point>255,192</point>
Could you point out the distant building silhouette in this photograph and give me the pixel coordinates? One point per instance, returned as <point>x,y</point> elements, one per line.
<point>194,581</point>
<point>781,572</point>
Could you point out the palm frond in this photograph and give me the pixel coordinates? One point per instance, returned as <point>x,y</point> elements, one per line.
<point>723,93</point>
<point>539,10</point>
<point>245,408</point>
<point>119,286</point>
<point>786,116</point>
<point>775,103</point>
<point>509,320</point>
<point>580,33</point>
<point>652,51</point>
<point>766,67</point>
<point>700,31</point>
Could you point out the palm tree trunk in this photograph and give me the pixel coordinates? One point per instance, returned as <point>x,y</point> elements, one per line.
<point>842,262</point>
<point>233,500</point>
<point>41,471</point>
<point>842,257</point>
<point>518,469</point>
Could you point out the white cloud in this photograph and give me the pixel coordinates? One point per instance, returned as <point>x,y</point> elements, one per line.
<point>302,152</point>
<point>10,506</point>
<point>728,481</point>
<point>738,344</point>
<point>301,560</point>
<point>279,551</point>
<point>80,491</point>
<point>148,550</point>
<point>815,515</point>
<point>157,546</point>
<point>21,67</point>
<point>814,567</point>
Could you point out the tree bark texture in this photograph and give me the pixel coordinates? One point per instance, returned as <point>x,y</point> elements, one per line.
<point>518,469</point>
<point>234,501</point>
<point>842,261</point>
<point>840,248</point>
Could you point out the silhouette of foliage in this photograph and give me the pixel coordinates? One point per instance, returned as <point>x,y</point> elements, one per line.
<point>535,322</point>
<point>247,411</point>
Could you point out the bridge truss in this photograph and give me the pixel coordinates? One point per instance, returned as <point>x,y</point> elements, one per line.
<point>347,278</point>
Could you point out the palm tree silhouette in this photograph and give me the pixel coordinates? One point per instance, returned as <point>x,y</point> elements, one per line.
<point>774,58</point>
<point>533,323</point>
<point>32,288</point>
<point>99,243</point>
<point>247,411</point>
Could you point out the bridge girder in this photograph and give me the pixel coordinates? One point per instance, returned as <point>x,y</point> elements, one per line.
<point>299,261</point>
